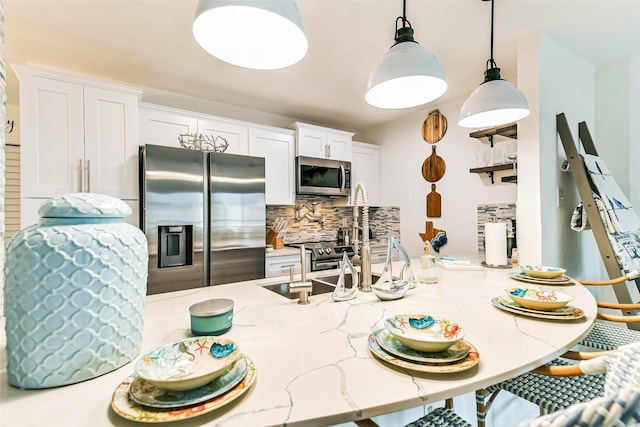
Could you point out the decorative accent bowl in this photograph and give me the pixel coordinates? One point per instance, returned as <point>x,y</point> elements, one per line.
<point>423,332</point>
<point>187,364</point>
<point>75,286</point>
<point>542,272</point>
<point>538,299</point>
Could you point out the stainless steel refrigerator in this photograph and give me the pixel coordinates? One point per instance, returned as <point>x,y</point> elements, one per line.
<point>204,217</point>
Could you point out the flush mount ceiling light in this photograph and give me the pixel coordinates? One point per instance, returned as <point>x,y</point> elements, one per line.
<point>496,101</point>
<point>258,34</point>
<point>407,75</point>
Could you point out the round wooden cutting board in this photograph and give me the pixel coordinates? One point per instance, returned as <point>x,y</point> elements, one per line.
<point>433,167</point>
<point>434,127</point>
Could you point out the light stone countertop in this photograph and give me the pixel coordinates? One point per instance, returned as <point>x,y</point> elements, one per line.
<point>314,367</point>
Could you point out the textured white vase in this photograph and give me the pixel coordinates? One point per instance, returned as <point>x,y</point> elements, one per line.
<point>75,285</point>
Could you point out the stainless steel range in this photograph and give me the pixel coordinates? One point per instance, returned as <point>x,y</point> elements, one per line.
<point>325,255</point>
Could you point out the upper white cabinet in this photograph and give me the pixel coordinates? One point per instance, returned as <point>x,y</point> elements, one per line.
<point>277,148</point>
<point>321,142</point>
<point>162,126</point>
<point>365,167</point>
<point>77,135</point>
<point>236,134</point>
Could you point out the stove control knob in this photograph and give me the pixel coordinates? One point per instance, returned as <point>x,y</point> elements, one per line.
<point>320,251</point>
<point>328,251</point>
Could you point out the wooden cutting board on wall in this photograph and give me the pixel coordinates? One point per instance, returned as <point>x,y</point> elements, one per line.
<point>434,127</point>
<point>433,167</point>
<point>434,203</point>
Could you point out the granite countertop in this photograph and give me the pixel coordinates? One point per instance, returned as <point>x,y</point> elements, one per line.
<point>314,366</point>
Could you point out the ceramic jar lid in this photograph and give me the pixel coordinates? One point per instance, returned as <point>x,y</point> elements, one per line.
<point>84,205</point>
<point>211,307</point>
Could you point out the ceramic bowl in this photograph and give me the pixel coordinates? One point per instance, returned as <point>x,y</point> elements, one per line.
<point>542,272</point>
<point>187,364</point>
<point>385,292</point>
<point>538,299</point>
<point>423,332</point>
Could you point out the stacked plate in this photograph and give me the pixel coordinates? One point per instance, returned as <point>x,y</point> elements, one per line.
<point>541,274</point>
<point>184,379</point>
<point>423,343</point>
<point>538,303</point>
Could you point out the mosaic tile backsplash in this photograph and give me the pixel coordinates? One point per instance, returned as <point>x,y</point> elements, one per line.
<point>500,212</point>
<point>305,225</point>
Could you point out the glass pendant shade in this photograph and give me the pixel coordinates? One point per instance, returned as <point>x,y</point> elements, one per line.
<point>493,103</point>
<point>257,34</point>
<point>407,75</point>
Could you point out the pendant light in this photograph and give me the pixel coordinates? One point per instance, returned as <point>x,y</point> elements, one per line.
<point>258,34</point>
<point>407,75</point>
<point>496,101</point>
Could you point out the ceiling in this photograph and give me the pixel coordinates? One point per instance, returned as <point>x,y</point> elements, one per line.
<point>149,43</point>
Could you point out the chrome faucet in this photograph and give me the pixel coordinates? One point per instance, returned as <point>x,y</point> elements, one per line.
<point>364,258</point>
<point>303,287</point>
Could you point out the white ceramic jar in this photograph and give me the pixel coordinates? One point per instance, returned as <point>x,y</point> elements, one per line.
<point>75,285</point>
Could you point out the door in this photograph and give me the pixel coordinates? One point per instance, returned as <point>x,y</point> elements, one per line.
<point>111,143</point>
<point>278,149</point>
<point>236,135</point>
<point>162,127</point>
<point>52,129</point>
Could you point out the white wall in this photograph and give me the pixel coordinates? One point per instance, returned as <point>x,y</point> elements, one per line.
<point>402,152</point>
<point>555,80</point>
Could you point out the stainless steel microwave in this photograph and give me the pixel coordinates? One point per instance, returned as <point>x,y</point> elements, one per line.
<point>323,177</point>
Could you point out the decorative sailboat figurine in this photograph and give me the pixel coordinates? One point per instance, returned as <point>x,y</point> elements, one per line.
<point>388,286</point>
<point>342,292</point>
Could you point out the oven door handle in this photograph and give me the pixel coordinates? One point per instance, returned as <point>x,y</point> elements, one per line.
<point>326,265</point>
<point>343,179</point>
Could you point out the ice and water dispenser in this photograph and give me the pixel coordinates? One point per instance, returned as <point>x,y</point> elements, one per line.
<point>175,246</point>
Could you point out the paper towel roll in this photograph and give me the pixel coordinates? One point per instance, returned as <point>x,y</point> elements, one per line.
<point>495,243</point>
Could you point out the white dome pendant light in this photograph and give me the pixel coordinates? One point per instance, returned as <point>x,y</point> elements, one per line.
<point>407,75</point>
<point>496,101</point>
<point>257,34</point>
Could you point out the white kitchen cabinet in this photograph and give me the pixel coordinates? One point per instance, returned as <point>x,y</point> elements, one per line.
<point>77,135</point>
<point>365,167</point>
<point>277,146</point>
<point>321,142</point>
<point>162,126</point>
<point>236,134</point>
<point>280,265</point>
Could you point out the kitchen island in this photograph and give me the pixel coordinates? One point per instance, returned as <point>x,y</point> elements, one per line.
<point>314,366</point>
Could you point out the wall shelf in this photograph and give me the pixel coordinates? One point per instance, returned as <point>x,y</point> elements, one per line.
<point>508,132</point>
<point>503,167</point>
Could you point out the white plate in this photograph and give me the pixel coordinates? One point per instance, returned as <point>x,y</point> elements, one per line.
<point>549,315</point>
<point>187,364</point>
<point>391,345</point>
<point>147,394</point>
<point>468,362</point>
<point>125,407</point>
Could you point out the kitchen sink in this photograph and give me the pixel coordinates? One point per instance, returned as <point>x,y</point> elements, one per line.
<point>317,288</point>
<point>333,280</point>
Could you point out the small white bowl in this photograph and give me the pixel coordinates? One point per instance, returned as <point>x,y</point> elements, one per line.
<point>187,364</point>
<point>542,271</point>
<point>423,332</point>
<point>538,299</point>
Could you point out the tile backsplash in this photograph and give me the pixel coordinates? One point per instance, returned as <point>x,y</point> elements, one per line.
<point>500,212</point>
<point>316,218</point>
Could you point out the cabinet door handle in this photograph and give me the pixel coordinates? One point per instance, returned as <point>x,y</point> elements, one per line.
<point>88,174</point>
<point>327,150</point>
<point>81,174</point>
